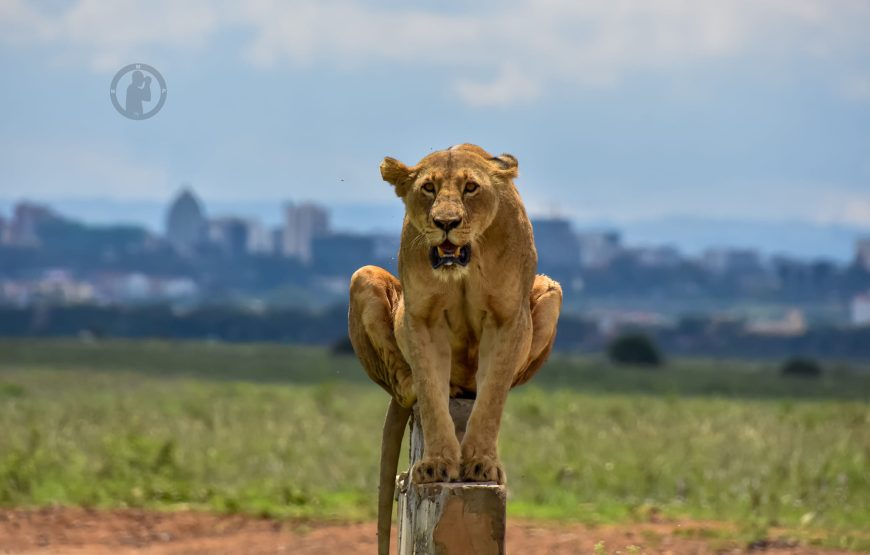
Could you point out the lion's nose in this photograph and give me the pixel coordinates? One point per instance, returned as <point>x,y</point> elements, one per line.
<point>448,224</point>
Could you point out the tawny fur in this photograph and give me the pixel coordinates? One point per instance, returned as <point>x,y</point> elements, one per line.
<point>435,333</point>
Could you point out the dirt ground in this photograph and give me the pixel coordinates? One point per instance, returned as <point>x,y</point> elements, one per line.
<point>71,531</point>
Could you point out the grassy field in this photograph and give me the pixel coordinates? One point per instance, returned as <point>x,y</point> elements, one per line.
<point>292,431</point>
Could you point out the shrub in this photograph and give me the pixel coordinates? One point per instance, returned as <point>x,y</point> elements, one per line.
<point>634,348</point>
<point>342,346</point>
<point>801,367</point>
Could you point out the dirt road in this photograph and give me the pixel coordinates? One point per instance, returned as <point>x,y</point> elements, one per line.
<point>71,531</point>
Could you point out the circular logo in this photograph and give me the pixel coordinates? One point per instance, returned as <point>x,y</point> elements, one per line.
<point>133,84</point>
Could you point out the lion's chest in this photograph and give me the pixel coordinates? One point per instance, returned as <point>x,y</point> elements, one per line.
<point>463,324</point>
<point>458,315</point>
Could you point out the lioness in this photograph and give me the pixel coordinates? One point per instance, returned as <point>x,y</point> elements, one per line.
<point>467,316</point>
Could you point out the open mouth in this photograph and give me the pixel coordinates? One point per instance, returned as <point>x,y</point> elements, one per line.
<point>448,254</point>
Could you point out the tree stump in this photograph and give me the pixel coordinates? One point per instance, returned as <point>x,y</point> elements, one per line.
<point>449,518</point>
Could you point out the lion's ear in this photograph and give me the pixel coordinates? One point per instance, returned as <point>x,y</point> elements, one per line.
<point>396,173</point>
<point>507,166</point>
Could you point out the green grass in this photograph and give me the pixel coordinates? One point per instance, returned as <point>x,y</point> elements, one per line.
<point>290,431</point>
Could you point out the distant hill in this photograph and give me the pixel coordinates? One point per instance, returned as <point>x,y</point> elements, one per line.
<point>799,239</point>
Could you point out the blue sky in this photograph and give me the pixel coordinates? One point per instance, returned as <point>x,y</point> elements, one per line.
<point>619,111</point>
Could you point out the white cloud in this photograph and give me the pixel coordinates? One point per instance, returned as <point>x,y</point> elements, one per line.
<point>857,212</point>
<point>510,86</point>
<point>856,87</point>
<point>350,34</point>
<point>534,44</point>
<point>107,34</point>
<point>843,208</point>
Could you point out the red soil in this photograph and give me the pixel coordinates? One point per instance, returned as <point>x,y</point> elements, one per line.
<point>72,531</point>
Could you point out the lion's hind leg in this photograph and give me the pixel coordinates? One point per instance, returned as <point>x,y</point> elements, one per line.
<point>375,296</point>
<point>546,304</point>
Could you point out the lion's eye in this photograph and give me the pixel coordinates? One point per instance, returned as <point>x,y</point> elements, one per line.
<point>429,187</point>
<point>471,186</point>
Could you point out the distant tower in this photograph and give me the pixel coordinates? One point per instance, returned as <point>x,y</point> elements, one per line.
<point>302,224</point>
<point>556,243</point>
<point>26,221</point>
<point>862,253</point>
<point>185,221</point>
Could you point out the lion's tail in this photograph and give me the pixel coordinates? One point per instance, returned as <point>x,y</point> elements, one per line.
<point>391,444</point>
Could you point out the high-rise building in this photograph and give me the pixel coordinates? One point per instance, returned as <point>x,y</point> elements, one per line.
<point>229,234</point>
<point>862,253</point>
<point>26,221</point>
<point>726,260</point>
<point>598,248</point>
<point>860,309</point>
<point>236,236</point>
<point>185,221</point>
<point>341,254</point>
<point>556,244</point>
<point>302,224</point>
<point>664,256</point>
<point>259,239</point>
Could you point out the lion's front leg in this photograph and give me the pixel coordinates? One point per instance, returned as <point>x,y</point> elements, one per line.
<point>430,369</point>
<point>502,350</point>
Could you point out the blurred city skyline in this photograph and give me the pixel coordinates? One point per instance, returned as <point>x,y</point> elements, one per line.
<point>692,235</point>
<point>621,114</point>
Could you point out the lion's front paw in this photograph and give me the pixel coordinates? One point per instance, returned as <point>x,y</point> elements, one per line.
<point>435,469</point>
<point>482,469</point>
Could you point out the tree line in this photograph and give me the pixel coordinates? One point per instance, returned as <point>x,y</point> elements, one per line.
<point>695,337</point>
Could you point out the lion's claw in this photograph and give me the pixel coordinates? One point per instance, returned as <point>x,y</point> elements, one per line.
<point>435,469</point>
<point>482,469</point>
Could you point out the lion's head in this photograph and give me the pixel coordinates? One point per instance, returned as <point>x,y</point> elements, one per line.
<point>451,197</point>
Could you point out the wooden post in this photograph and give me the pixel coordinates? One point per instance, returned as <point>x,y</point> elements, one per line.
<point>449,518</point>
